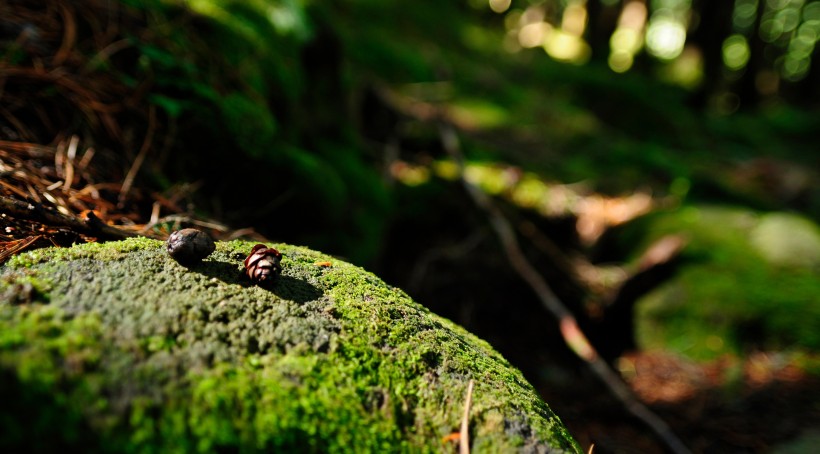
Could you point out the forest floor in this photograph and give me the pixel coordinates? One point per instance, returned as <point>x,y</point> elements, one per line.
<point>754,404</point>
<point>759,403</point>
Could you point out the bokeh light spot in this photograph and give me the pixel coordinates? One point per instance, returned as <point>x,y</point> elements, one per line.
<point>811,12</point>
<point>665,37</point>
<point>574,20</point>
<point>743,16</point>
<point>686,70</point>
<point>735,52</point>
<point>566,47</point>
<point>771,29</point>
<point>534,35</point>
<point>500,6</point>
<point>620,61</point>
<point>626,40</point>
<point>795,69</point>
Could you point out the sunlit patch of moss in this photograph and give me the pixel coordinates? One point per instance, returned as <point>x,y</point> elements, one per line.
<point>788,240</point>
<point>98,251</point>
<point>530,192</point>
<point>477,113</point>
<point>727,298</point>
<point>488,178</point>
<point>419,343</point>
<point>144,354</point>
<point>408,174</point>
<point>446,169</point>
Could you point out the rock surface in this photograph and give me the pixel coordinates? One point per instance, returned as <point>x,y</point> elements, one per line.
<point>116,347</point>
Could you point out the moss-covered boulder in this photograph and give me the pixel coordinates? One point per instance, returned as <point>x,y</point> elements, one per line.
<point>747,281</point>
<point>116,347</point>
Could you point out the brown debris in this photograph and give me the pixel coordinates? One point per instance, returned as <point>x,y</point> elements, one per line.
<point>73,134</point>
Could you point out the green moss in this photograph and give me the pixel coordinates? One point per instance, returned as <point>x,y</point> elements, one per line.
<point>144,355</point>
<point>99,251</point>
<point>732,294</point>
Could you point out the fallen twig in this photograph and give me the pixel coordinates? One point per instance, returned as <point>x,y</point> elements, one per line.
<point>90,225</point>
<point>464,432</point>
<point>571,332</point>
<point>135,167</point>
<point>15,246</point>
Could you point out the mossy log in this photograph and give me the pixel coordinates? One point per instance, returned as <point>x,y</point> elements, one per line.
<point>116,347</point>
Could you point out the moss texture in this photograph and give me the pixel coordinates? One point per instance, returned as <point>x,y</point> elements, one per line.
<point>747,282</point>
<point>116,347</point>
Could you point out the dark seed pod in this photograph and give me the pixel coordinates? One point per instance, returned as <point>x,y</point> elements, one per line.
<point>262,265</point>
<point>189,246</point>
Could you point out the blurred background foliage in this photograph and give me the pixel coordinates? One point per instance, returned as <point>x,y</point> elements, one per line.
<point>312,121</point>
<point>600,127</point>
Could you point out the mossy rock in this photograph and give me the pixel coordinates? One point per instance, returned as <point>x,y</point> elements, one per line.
<point>747,281</point>
<point>116,347</point>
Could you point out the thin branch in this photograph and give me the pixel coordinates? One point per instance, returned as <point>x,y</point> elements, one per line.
<point>69,36</point>
<point>32,150</point>
<point>105,54</point>
<point>135,167</point>
<point>571,332</point>
<point>464,433</point>
<point>71,153</point>
<point>91,225</point>
<point>179,219</point>
<point>15,246</point>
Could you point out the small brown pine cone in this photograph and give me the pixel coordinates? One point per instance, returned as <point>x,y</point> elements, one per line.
<point>262,265</point>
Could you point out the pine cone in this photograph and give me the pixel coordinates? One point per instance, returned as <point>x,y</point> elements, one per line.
<point>262,265</point>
